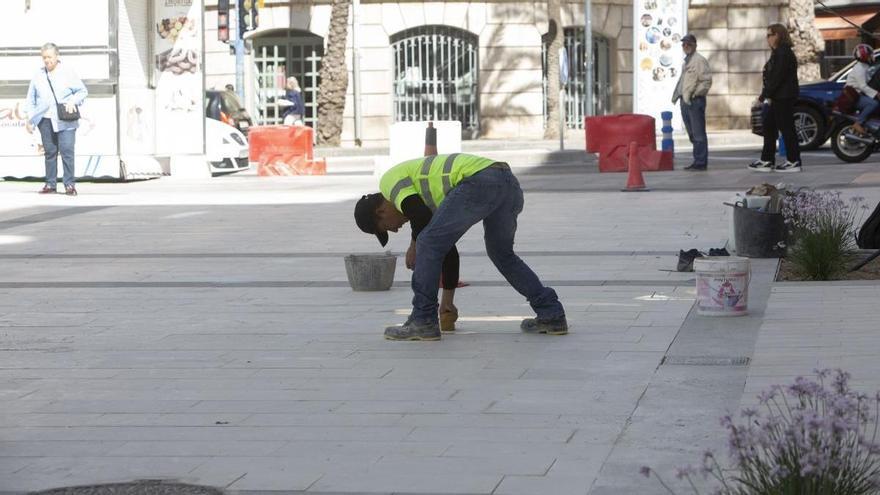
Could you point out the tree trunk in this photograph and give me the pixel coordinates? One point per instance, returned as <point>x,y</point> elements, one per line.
<point>554,43</point>
<point>334,77</point>
<point>805,37</point>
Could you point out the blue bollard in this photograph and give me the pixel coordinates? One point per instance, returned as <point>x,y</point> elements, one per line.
<point>667,143</point>
<point>780,147</point>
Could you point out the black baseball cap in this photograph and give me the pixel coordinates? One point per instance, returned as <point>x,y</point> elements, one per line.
<point>365,216</point>
<point>689,38</point>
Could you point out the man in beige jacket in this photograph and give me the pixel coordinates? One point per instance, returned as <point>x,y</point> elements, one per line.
<point>692,87</point>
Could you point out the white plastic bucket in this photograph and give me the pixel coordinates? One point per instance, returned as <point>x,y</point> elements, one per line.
<point>722,285</point>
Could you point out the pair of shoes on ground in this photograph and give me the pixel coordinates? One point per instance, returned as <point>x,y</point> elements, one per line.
<point>68,190</point>
<point>686,258</point>
<point>693,167</point>
<point>428,331</point>
<point>765,166</point>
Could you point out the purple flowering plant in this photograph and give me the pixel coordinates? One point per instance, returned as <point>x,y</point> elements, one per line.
<point>808,438</point>
<point>822,228</point>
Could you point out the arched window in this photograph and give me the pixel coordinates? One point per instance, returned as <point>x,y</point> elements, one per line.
<point>575,91</point>
<point>279,54</point>
<point>436,75</point>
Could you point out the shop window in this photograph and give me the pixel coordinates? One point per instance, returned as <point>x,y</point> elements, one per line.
<point>836,56</point>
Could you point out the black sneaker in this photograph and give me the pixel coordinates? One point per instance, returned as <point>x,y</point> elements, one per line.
<point>686,259</point>
<point>696,168</point>
<point>718,252</point>
<point>761,166</point>
<point>789,167</point>
<point>550,326</point>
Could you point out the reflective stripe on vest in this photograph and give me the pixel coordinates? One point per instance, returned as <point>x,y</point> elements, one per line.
<point>400,186</point>
<point>445,181</point>
<point>447,169</point>
<point>429,178</point>
<point>425,182</point>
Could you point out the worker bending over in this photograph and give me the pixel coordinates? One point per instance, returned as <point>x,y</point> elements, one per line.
<point>443,196</point>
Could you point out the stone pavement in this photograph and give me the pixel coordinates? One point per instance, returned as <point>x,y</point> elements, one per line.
<point>204,331</point>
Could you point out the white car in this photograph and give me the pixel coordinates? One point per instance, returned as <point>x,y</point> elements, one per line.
<point>226,147</point>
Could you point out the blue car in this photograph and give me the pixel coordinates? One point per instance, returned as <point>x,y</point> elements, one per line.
<point>812,112</point>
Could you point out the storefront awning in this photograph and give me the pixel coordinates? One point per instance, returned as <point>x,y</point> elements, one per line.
<point>833,27</point>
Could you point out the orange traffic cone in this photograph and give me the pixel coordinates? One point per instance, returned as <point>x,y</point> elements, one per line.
<point>634,180</point>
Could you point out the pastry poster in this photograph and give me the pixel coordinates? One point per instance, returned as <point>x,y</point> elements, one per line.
<point>178,72</point>
<point>658,28</point>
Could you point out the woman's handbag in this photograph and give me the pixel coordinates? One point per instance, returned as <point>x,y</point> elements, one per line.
<point>63,114</point>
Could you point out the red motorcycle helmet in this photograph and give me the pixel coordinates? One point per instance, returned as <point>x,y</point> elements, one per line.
<point>864,53</point>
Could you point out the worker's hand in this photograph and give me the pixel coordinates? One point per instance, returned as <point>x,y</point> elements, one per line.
<point>411,256</point>
<point>29,127</point>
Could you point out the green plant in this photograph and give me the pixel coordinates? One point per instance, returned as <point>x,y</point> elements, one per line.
<point>811,439</point>
<point>822,228</point>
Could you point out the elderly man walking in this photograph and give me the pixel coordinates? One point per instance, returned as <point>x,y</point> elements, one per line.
<point>692,88</point>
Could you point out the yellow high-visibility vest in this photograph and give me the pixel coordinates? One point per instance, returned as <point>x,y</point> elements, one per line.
<point>431,177</point>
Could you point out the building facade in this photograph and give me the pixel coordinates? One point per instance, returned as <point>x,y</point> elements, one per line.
<point>482,63</point>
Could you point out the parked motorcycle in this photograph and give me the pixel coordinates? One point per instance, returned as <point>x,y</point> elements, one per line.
<point>849,145</point>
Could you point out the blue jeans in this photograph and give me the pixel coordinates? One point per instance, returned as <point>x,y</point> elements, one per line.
<point>492,195</point>
<point>52,143</point>
<point>867,106</point>
<point>694,117</point>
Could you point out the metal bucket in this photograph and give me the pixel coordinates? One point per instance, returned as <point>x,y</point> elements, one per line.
<point>758,234</point>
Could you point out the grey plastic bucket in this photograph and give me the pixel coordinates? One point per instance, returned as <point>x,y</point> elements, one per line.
<point>370,272</point>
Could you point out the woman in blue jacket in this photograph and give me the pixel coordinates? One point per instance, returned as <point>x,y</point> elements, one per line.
<point>293,114</point>
<point>54,85</point>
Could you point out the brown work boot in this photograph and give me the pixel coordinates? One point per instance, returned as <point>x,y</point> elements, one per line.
<point>448,319</point>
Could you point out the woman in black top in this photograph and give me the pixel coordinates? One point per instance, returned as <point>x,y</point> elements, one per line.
<point>781,91</point>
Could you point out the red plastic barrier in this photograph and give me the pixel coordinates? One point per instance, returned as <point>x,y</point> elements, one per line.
<point>611,135</point>
<point>284,150</point>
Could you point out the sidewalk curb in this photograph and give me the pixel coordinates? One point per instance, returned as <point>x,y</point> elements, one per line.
<point>573,141</point>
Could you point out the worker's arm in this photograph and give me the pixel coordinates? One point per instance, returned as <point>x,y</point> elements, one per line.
<point>419,216</point>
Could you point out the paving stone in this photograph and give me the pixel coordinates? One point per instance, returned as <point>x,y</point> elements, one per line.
<point>224,347</point>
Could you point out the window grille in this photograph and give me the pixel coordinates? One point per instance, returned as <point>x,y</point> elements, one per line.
<point>436,76</point>
<point>575,91</point>
<point>276,58</point>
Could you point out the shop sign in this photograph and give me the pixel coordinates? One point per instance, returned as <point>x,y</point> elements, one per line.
<point>178,69</point>
<point>657,55</point>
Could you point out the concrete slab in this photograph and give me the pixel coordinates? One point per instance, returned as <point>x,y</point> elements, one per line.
<point>204,331</point>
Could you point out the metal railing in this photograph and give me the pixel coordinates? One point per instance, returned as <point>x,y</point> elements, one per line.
<point>276,59</point>
<point>436,76</point>
<point>575,91</point>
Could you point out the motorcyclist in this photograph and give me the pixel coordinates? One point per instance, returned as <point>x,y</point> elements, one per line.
<point>869,98</point>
